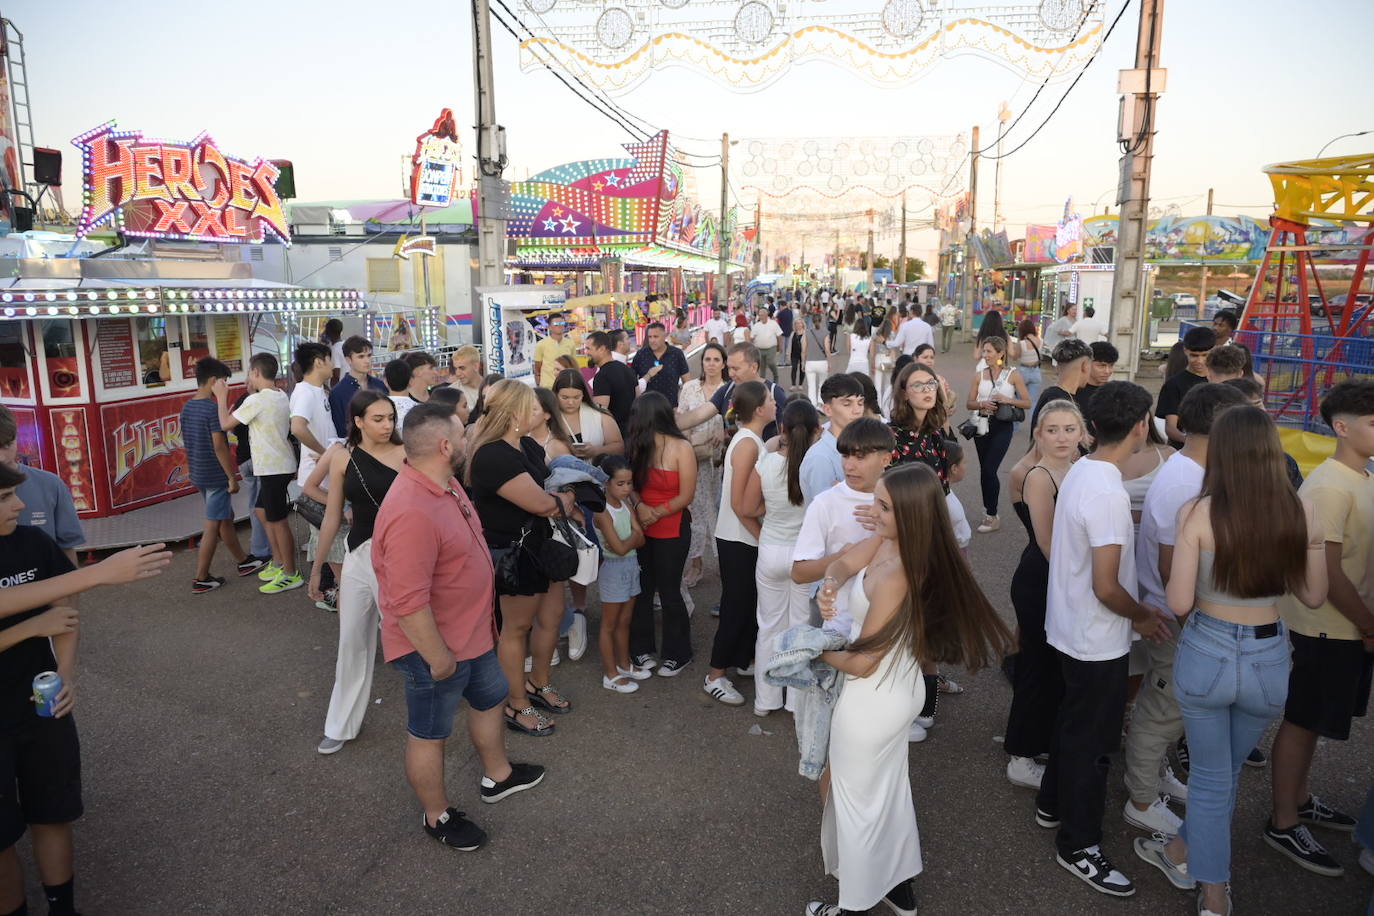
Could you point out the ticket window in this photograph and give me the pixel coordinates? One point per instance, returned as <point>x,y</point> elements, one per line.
<point>64,375</point>
<point>15,378</point>
<point>150,341</point>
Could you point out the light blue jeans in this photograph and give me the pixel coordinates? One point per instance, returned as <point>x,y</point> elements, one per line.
<point>259,546</point>
<point>1031,376</point>
<point>1229,685</point>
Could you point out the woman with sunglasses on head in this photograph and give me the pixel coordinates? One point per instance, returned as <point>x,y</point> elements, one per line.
<point>708,442</point>
<point>359,474</point>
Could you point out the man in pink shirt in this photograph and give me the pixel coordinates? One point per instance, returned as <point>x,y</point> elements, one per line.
<point>437,592</point>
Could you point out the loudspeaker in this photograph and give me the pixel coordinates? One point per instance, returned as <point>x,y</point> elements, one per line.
<point>21,219</point>
<point>47,166</point>
<point>286,181</point>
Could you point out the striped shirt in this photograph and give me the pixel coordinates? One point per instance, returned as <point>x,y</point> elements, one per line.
<point>199,423</point>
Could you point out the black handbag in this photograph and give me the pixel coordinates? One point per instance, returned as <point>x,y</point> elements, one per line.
<point>310,510</point>
<point>505,561</point>
<point>556,560</point>
<point>1009,413</point>
<point>968,429</point>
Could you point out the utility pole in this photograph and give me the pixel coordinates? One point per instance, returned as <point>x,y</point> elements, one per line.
<point>493,195</point>
<point>1140,89</point>
<point>969,277</point>
<point>1003,116</point>
<point>901,256</point>
<point>1202,284</point>
<point>724,216</point>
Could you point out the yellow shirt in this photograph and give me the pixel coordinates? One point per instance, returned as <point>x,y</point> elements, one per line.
<point>546,353</point>
<point>1344,500</point>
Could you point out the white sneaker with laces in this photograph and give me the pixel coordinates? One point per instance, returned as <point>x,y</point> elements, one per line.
<point>635,672</point>
<point>1094,869</point>
<point>1151,850</point>
<point>917,734</point>
<point>1172,786</point>
<point>577,636</point>
<point>1025,772</point>
<point>721,689</point>
<point>529,662</point>
<point>1156,819</point>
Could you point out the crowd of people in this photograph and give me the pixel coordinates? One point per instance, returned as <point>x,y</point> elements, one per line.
<point>1173,555</point>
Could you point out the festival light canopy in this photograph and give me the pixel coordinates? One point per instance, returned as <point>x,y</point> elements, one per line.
<point>884,167</point>
<point>748,44</point>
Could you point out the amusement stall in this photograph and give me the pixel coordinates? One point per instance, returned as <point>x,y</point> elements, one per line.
<point>98,343</point>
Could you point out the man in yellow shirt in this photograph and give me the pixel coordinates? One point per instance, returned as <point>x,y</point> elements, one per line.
<point>1333,645</point>
<point>547,351</point>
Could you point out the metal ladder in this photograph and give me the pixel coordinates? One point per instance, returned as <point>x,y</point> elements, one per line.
<point>17,74</point>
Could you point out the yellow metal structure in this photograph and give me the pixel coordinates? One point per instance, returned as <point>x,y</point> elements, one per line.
<point>1340,188</point>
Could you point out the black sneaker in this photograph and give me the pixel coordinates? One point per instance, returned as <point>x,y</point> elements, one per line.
<point>1045,819</point>
<point>1316,813</point>
<point>1256,758</point>
<point>1181,759</point>
<point>522,776</point>
<point>1297,843</point>
<point>645,661</point>
<point>453,829</point>
<point>901,899</point>
<point>251,564</point>
<point>1096,871</point>
<point>201,586</point>
<point>672,667</point>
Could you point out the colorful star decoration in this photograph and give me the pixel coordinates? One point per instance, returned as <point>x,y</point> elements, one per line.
<point>570,225</point>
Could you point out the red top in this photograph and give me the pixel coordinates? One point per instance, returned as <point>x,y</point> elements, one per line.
<point>741,321</point>
<point>428,551</point>
<point>660,489</point>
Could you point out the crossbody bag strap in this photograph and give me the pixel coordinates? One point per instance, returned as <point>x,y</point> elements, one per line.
<point>362,480</point>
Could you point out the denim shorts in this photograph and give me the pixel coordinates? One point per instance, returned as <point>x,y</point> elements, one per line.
<point>431,705</point>
<point>218,507</point>
<point>618,579</point>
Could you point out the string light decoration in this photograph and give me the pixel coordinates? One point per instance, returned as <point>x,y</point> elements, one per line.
<point>88,302</point>
<point>170,189</point>
<point>884,167</point>
<point>748,44</point>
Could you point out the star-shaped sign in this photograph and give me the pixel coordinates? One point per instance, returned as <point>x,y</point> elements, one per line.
<point>598,185</point>
<point>613,180</point>
<point>569,225</point>
<point>549,224</point>
<point>557,211</point>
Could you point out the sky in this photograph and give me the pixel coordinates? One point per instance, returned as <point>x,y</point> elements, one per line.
<point>342,87</point>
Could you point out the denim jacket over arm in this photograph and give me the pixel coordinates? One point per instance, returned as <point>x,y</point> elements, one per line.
<point>796,663</point>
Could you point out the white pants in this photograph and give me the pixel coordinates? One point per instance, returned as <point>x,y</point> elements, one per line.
<point>817,371</point>
<point>782,604</point>
<point>358,621</point>
<point>883,382</point>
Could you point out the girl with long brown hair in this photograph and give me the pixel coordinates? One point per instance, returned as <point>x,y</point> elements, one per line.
<point>915,601</point>
<point>918,419</point>
<point>1245,542</point>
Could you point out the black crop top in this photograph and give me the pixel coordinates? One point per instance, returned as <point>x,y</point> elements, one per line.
<point>366,481</point>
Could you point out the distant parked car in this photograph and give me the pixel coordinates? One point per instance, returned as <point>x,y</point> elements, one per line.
<point>1185,299</point>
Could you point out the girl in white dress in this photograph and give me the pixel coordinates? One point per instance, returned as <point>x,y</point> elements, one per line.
<point>913,600</point>
<point>860,338</point>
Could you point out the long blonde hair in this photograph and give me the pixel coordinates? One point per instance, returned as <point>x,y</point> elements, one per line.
<point>508,403</point>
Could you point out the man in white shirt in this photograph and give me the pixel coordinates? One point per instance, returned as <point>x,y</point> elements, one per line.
<point>1090,329</point>
<point>911,335</point>
<point>1090,612</point>
<point>1157,723</point>
<point>467,378</point>
<point>717,328</point>
<point>1061,329</point>
<point>311,421</point>
<point>766,333</point>
<point>949,317</point>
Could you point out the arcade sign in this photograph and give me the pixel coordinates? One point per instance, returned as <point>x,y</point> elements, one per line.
<point>176,190</point>
<point>436,166</point>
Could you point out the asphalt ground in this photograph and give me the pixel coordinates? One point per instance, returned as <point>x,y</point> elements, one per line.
<point>199,717</point>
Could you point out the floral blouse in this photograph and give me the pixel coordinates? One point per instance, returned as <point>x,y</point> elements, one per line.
<point>927,448</point>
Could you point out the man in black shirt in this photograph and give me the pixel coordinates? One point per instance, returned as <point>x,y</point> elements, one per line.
<point>40,757</point>
<point>614,386</point>
<point>662,366</point>
<point>1197,343</point>
<point>1100,369</point>
<point>1071,360</point>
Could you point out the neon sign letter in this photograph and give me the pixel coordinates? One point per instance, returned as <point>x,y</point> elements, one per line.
<point>179,190</point>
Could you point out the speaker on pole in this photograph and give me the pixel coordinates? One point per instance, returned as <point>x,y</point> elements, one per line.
<point>47,166</point>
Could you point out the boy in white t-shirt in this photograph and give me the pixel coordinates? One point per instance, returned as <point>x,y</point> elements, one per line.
<point>1090,612</point>
<point>311,421</point>
<point>267,414</point>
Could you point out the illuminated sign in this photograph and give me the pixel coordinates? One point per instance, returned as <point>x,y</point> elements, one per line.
<point>176,190</point>
<point>414,244</point>
<point>436,166</point>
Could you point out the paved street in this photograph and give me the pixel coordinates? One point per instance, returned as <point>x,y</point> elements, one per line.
<point>204,793</point>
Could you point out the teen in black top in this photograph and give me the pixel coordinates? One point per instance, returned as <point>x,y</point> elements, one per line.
<point>619,381</point>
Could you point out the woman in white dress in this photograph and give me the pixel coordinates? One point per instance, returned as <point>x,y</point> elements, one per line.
<point>860,337</point>
<point>913,600</point>
<point>707,439</point>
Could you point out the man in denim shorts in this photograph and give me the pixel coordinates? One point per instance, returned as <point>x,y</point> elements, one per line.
<point>437,592</point>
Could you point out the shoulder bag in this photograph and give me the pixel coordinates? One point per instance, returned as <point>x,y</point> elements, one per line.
<point>1007,413</point>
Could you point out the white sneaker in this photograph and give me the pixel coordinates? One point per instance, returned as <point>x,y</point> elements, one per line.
<point>620,684</point>
<point>917,734</point>
<point>746,671</point>
<point>1155,819</point>
<point>762,713</point>
<point>723,690</point>
<point>926,722</point>
<point>634,672</point>
<point>1025,772</point>
<point>330,745</point>
<point>1170,785</point>
<point>577,636</point>
<point>529,662</point>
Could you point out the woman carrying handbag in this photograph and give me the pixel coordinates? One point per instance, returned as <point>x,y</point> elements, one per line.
<point>998,394</point>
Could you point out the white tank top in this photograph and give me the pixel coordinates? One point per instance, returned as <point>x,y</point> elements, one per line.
<point>782,520</point>
<point>1003,385</point>
<point>728,526</point>
<point>590,419</point>
<point>1029,355</point>
<point>858,348</point>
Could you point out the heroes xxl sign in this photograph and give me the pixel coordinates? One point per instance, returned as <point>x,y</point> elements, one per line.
<point>177,190</point>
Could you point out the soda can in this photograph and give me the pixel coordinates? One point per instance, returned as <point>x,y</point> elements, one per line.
<point>46,687</point>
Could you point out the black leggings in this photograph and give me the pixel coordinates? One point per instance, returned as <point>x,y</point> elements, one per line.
<point>661,562</point>
<point>738,629</point>
<point>992,448</point>
<point>1038,678</point>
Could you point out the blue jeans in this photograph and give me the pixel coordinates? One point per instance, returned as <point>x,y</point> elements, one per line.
<point>431,705</point>
<point>1031,376</point>
<point>1229,685</point>
<point>260,546</point>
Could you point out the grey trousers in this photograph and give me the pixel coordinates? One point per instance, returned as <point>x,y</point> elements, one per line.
<point>1156,723</point>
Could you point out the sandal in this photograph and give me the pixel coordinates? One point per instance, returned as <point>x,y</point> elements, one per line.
<point>547,697</point>
<point>543,729</point>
